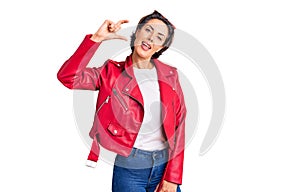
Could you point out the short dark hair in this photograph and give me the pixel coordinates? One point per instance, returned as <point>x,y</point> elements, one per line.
<point>169,39</point>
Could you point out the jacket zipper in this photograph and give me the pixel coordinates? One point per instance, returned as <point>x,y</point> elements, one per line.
<point>120,99</point>
<point>104,102</point>
<point>133,98</point>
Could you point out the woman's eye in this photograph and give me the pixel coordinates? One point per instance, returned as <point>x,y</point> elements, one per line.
<point>159,38</point>
<point>148,30</point>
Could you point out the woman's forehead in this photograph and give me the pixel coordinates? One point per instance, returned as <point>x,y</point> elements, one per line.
<point>157,25</point>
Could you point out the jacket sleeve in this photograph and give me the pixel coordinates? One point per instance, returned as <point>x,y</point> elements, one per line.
<point>74,73</point>
<point>174,167</point>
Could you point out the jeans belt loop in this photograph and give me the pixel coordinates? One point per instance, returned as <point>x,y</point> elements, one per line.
<point>135,151</point>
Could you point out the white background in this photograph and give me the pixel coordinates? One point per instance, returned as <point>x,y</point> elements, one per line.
<point>255,44</point>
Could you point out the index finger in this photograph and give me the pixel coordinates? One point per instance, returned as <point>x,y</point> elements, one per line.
<point>122,22</point>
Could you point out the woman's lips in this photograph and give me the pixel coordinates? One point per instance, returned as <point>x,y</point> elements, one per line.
<point>145,46</point>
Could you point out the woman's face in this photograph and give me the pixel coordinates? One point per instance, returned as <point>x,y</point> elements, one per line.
<point>150,38</point>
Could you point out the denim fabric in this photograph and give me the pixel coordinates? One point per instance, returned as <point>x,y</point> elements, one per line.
<point>140,172</point>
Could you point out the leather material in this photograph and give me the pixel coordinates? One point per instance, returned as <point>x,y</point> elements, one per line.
<point>120,108</point>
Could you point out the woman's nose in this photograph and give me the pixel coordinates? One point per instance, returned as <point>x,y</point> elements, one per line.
<point>150,38</point>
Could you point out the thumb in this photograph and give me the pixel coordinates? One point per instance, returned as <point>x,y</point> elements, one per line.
<point>156,189</point>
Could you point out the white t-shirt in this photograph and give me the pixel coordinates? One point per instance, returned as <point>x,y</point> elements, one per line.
<point>150,136</point>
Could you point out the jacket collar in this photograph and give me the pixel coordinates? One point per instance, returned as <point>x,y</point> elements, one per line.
<point>166,85</point>
<point>163,70</point>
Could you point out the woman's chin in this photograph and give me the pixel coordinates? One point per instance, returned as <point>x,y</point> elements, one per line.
<point>145,55</point>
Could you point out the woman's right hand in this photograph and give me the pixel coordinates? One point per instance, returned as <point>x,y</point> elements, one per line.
<point>108,30</point>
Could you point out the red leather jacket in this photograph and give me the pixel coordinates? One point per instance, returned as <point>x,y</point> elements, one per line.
<point>119,109</point>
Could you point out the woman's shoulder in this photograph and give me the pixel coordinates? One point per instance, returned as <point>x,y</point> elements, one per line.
<point>164,64</point>
<point>113,63</point>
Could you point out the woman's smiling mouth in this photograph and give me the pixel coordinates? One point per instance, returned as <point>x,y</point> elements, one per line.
<point>145,46</point>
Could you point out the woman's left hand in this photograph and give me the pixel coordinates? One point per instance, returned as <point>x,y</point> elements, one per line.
<point>167,187</point>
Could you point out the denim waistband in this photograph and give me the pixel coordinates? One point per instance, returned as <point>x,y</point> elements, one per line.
<point>139,159</point>
<point>154,154</point>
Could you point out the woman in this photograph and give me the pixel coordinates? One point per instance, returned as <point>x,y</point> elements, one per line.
<point>140,110</point>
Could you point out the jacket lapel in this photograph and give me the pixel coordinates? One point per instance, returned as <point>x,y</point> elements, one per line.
<point>131,88</point>
<point>165,83</point>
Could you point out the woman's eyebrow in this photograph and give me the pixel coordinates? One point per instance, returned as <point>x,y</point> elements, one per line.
<point>150,27</point>
<point>161,34</point>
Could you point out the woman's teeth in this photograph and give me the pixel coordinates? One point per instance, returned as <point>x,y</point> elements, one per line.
<point>146,44</point>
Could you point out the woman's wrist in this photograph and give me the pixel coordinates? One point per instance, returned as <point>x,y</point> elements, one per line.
<point>97,38</point>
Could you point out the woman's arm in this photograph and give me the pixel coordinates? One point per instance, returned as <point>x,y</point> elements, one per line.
<point>74,74</point>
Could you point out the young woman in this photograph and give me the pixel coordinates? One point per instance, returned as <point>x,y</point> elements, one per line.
<point>140,110</point>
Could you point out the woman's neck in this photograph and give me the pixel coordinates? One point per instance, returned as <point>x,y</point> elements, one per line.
<point>141,63</point>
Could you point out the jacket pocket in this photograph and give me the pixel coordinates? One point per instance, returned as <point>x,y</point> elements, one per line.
<point>115,130</point>
<point>120,99</point>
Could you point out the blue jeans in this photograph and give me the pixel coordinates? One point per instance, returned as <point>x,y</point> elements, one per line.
<point>142,171</point>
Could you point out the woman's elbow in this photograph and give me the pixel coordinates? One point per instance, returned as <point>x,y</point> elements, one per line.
<point>62,78</point>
